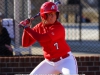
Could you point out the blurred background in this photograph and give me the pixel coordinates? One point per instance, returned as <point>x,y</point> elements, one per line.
<point>81,19</point>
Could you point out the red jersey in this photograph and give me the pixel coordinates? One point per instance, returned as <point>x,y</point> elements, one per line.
<point>50,37</point>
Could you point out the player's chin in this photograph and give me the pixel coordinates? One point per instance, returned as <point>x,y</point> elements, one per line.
<point>52,22</point>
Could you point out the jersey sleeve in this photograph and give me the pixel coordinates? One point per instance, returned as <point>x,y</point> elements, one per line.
<point>27,40</point>
<point>39,37</point>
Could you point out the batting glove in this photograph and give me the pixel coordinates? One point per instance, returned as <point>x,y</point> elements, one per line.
<point>24,23</point>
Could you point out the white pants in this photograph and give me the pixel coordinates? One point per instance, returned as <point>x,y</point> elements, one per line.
<point>67,66</point>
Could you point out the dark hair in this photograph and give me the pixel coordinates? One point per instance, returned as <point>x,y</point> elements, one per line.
<point>1,27</point>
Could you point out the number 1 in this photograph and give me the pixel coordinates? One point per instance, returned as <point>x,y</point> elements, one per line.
<point>56,45</point>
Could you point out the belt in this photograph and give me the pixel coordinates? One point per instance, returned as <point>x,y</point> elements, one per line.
<point>59,58</point>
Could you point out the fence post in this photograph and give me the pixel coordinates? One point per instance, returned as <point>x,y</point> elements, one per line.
<point>29,15</point>
<point>80,21</point>
<point>6,9</point>
<point>17,5</point>
<point>99,17</point>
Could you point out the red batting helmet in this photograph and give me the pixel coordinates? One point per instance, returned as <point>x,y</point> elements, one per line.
<point>48,7</point>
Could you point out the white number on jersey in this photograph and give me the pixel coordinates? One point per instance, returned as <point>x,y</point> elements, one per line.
<point>56,45</point>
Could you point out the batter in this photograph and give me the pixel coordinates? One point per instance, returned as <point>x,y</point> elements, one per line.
<point>51,35</point>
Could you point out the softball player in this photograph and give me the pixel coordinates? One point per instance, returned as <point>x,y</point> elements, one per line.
<point>51,35</point>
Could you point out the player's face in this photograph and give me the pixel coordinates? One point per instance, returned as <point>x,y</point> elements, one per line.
<point>51,17</point>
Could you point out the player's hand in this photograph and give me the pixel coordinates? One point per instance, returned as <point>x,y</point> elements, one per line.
<point>9,47</point>
<point>25,23</point>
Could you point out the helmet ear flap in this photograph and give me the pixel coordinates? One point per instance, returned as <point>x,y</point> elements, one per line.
<point>44,16</point>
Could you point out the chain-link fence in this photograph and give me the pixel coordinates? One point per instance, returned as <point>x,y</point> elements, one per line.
<point>81,19</point>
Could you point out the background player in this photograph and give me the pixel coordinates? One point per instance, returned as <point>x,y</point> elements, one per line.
<point>51,36</point>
